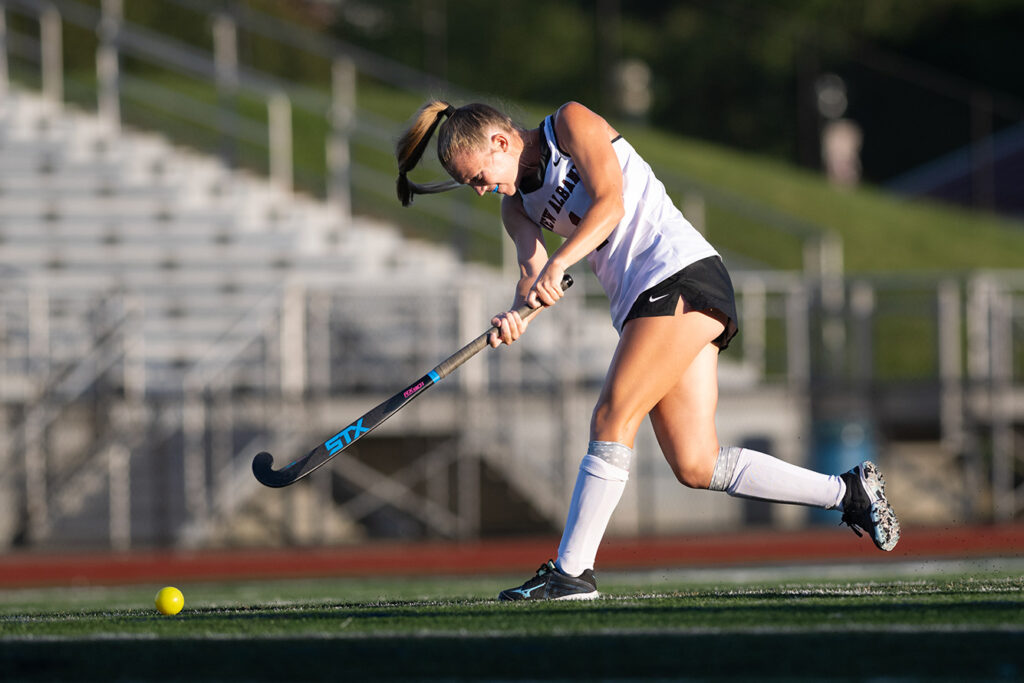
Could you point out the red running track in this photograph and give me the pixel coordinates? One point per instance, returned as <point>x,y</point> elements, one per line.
<point>825,545</point>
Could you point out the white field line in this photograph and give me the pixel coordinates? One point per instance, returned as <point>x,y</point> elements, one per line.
<point>924,570</point>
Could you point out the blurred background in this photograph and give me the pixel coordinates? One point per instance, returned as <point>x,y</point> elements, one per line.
<point>202,257</point>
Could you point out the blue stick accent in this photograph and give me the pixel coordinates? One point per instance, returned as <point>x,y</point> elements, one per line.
<point>434,376</point>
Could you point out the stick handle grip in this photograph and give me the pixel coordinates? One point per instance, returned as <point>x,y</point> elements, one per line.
<point>474,347</point>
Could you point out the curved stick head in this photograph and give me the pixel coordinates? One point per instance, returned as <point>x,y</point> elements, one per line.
<point>263,469</point>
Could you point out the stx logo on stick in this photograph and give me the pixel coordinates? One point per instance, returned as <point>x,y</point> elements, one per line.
<point>263,463</point>
<point>345,437</point>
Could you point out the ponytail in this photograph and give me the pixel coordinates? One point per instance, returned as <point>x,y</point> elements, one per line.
<point>411,146</point>
<point>465,129</point>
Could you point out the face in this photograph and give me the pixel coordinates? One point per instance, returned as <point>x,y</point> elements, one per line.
<point>492,169</point>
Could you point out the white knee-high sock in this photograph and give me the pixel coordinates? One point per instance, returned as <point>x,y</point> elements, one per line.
<point>599,486</point>
<point>746,473</point>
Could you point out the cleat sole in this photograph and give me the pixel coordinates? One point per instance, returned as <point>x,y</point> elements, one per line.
<point>887,527</point>
<point>579,596</point>
<point>886,533</point>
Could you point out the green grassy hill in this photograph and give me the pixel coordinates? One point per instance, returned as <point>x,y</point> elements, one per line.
<point>757,209</point>
<point>879,231</point>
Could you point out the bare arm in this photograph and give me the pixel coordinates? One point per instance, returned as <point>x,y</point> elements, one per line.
<point>531,255</point>
<point>587,138</point>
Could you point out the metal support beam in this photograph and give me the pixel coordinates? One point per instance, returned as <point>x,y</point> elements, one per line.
<point>1001,393</point>
<point>279,117</point>
<point>342,119</point>
<point>194,425</point>
<point>120,496</point>
<point>108,66</point>
<point>51,37</point>
<point>380,489</point>
<point>294,375</point>
<point>36,494</point>
<point>5,76</point>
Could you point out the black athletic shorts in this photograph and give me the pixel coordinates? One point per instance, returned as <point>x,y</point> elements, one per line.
<point>705,285</point>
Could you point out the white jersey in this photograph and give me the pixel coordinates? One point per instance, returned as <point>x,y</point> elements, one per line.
<point>653,240</point>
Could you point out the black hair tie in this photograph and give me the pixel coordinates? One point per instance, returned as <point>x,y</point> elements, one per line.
<point>404,189</point>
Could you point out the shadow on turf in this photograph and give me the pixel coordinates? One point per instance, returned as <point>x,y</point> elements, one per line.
<point>764,656</point>
<point>988,611</point>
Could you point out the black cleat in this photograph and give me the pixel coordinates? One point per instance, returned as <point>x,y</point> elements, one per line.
<point>551,584</point>
<point>865,507</point>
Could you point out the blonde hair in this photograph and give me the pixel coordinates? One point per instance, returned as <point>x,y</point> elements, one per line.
<point>465,129</point>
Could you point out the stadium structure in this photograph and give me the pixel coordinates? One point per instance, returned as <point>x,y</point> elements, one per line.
<point>166,312</point>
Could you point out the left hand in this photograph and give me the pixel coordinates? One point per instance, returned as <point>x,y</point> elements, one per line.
<point>547,288</point>
<point>509,328</point>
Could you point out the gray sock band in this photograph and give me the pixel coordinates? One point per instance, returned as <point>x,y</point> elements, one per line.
<point>724,468</point>
<point>612,452</point>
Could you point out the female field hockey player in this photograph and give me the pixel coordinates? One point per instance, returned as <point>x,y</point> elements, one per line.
<point>672,303</point>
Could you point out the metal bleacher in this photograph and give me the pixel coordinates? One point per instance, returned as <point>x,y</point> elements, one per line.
<point>92,215</point>
<point>142,279</point>
<point>164,316</point>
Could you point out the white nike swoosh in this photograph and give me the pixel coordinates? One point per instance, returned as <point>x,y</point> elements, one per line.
<point>656,298</point>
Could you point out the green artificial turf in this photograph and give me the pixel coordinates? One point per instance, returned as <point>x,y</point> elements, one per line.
<point>945,627</point>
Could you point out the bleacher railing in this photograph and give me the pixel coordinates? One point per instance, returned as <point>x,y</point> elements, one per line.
<point>976,318</point>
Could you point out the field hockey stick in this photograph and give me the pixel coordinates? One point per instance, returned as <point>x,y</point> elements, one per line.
<point>262,464</point>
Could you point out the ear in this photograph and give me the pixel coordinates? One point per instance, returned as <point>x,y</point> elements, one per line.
<point>500,141</point>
